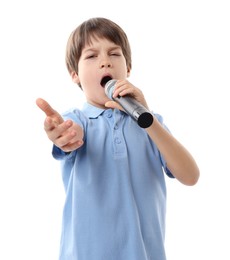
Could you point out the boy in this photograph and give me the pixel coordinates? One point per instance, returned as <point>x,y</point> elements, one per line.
<point>113,170</point>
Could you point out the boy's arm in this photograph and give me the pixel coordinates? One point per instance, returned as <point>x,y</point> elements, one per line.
<point>66,135</point>
<point>179,161</point>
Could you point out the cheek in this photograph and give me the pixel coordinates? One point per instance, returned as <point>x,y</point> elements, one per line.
<point>85,69</point>
<point>88,82</point>
<point>83,75</point>
<point>125,69</point>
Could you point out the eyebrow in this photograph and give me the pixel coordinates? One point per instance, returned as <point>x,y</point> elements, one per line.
<point>95,49</point>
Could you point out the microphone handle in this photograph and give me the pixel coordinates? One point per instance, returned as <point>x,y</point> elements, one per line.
<point>138,112</point>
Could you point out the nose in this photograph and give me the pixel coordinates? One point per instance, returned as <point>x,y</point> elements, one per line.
<point>105,63</point>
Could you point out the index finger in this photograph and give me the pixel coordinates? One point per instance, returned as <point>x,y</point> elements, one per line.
<point>45,107</point>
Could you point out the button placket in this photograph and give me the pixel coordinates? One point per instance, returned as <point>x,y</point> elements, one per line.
<point>118,137</point>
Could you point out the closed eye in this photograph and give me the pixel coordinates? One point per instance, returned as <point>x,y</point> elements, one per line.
<point>91,56</point>
<point>115,54</point>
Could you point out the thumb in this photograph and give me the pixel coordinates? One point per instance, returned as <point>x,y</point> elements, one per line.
<point>113,104</point>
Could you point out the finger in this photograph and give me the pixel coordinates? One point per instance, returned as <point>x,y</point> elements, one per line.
<point>50,124</point>
<point>45,107</point>
<point>122,88</point>
<point>69,139</point>
<point>55,130</point>
<point>72,146</point>
<point>125,88</point>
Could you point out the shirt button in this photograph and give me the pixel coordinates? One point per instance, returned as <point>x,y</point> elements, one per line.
<point>115,127</point>
<point>109,115</point>
<point>117,140</point>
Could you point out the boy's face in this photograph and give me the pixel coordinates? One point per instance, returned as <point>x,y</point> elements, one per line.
<point>99,59</point>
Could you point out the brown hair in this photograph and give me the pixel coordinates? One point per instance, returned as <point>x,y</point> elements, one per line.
<point>95,27</point>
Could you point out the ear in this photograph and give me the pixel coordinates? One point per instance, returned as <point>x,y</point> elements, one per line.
<point>128,72</point>
<point>75,77</point>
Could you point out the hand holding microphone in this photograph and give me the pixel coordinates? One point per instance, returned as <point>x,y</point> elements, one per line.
<point>132,107</point>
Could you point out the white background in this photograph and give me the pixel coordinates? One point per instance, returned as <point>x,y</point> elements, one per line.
<point>181,61</point>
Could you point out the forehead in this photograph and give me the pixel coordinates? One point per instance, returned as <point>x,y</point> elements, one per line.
<point>96,42</point>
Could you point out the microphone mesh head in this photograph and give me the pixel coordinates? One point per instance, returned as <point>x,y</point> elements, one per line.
<point>109,88</point>
<point>145,120</point>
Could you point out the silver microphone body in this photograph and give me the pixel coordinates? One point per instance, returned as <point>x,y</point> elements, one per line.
<point>136,110</point>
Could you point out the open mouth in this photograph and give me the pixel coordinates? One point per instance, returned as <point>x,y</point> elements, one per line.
<point>105,80</point>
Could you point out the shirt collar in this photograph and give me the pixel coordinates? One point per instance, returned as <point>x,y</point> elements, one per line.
<point>91,111</point>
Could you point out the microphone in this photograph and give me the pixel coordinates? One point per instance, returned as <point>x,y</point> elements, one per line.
<point>136,110</point>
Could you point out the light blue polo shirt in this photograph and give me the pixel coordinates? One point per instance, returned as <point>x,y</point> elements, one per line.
<point>115,190</point>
